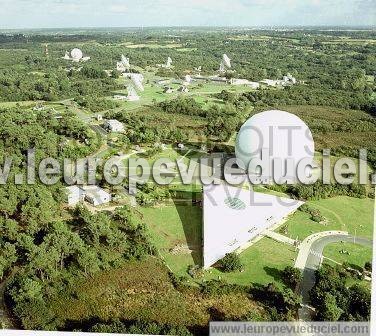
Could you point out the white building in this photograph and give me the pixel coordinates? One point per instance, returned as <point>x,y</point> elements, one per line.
<point>113,125</point>
<point>246,82</point>
<point>96,196</point>
<point>75,195</point>
<point>289,79</point>
<point>234,217</point>
<point>167,65</point>
<point>120,97</point>
<point>269,82</point>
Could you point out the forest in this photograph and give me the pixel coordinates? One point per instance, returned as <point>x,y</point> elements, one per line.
<point>49,250</point>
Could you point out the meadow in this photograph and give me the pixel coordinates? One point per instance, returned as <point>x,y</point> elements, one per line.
<point>142,290</point>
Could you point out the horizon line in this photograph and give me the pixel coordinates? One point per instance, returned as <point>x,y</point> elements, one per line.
<point>297,26</point>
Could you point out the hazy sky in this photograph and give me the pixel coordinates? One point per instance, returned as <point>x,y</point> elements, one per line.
<point>131,13</point>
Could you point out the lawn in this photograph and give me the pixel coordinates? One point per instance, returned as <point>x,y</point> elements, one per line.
<point>357,257</point>
<point>262,262</point>
<point>173,228</point>
<point>342,213</point>
<point>177,230</point>
<point>14,104</point>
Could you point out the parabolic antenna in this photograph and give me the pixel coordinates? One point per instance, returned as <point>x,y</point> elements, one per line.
<point>282,134</point>
<point>169,62</point>
<point>76,54</point>
<point>188,79</point>
<point>137,82</point>
<point>125,61</point>
<point>226,61</point>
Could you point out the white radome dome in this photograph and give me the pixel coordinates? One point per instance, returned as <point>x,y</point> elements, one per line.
<point>270,129</point>
<point>76,54</point>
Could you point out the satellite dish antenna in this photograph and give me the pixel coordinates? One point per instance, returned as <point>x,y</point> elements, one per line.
<point>222,68</point>
<point>169,62</point>
<point>125,61</point>
<point>187,80</point>
<point>226,61</point>
<point>66,56</point>
<point>137,82</point>
<point>132,94</point>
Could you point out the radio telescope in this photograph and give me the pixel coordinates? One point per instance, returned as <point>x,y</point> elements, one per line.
<point>132,94</point>
<point>198,70</point>
<point>125,62</point>
<point>123,65</point>
<point>66,56</point>
<point>225,64</point>
<point>226,61</point>
<point>137,81</point>
<point>187,80</point>
<point>169,62</point>
<point>76,55</point>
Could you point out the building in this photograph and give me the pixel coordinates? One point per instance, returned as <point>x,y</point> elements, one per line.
<point>92,194</point>
<point>39,107</point>
<point>96,196</point>
<point>269,82</point>
<point>120,97</point>
<point>113,125</point>
<point>75,195</point>
<point>289,80</point>
<point>234,217</point>
<point>246,82</point>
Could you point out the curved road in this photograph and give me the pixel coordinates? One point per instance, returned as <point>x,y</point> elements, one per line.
<point>313,262</point>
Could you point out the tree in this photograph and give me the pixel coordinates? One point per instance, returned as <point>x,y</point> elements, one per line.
<point>368,266</point>
<point>291,276</point>
<point>330,311</point>
<point>231,263</point>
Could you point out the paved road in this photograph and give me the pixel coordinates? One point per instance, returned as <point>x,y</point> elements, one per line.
<point>278,237</point>
<point>313,262</point>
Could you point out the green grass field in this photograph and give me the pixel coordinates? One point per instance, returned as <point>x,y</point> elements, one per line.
<point>177,229</point>
<point>181,226</point>
<point>262,262</point>
<point>342,213</point>
<point>357,257</point>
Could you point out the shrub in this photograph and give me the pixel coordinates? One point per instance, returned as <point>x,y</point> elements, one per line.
<point>231,263</point>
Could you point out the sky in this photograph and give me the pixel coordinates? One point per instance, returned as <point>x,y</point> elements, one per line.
<point>143,13</point>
